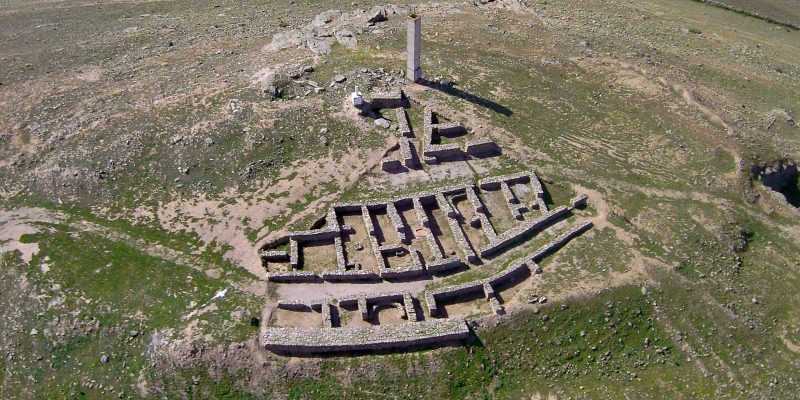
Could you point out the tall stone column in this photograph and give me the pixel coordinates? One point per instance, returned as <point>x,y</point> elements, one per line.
<point>413,66</point>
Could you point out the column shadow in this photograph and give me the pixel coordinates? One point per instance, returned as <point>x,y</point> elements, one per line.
<point>474,99</point>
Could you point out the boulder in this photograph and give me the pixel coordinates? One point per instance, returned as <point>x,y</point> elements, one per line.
<point>319,45</point>
<point>326,17</point>
<point>376,14</point>
<point>346,38</point>
<point>268,85</point>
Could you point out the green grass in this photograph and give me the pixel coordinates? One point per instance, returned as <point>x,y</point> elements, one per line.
<point>500,364</point>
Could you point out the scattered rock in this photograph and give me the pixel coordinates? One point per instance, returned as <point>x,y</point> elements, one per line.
<point>325,17</point>
<point>268,85</point>
<point>34,332</point>
<point>208,141</point>
<point>319,45</point>
<point>754,300</point>
<point>104,359</point>
<point>339,78</point>
<point>133,334</point>
<point>175,139</point>
<point>235,108</point>
<point>346,38</point>
<point>383,123</point>
<point>781,113</point>
<point>376,14</point>
<point>542,300</point>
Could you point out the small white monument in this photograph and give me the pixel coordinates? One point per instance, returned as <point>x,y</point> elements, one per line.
<point>356,97</point>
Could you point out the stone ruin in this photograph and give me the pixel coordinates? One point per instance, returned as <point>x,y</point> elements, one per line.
<point>412,238</point>
<point>434,131</point>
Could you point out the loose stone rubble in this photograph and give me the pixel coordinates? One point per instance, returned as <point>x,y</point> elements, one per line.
<point>330,27</point>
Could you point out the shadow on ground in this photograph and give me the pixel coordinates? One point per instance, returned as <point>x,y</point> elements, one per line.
<point>474,99</point>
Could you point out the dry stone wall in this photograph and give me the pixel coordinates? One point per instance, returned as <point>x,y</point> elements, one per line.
<point>486,285</point>
<point>391,99</point>
<point>403,126</point>
<point>562,239</point>
<point>514,235</point>
<point>417,331</point>
<point>324,340</point>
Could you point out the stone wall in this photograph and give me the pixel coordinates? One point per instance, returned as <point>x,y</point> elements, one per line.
<point>433,296</point>
<point>516,234</point>
<point>293,276</point>
<point>323,340</point>
<point>493,182</point>
<point>294,254</point>
<point>562,239</point>
<point>485,285</point>
<point>438,151</point>
<point>418,266</point>
<point>341,261</point>
<point>397,222</point>
<point>390,99</point>
<point>455,228</point>
<point>444,264</point>
<point>406,154</point>
<point>482,147</point>
<point>350,276</point>
<point>512,201</point>
<point>274,256</point>
<point>403,125</point>
<point>373,240</point>
<point>294,305</point>
<point>538,191</point>
<point>579,201</point>
<point>391,164</point>
<point>327,321</point>
<point>419,211</point>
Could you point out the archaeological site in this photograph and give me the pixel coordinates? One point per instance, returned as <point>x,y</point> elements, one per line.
<point>459,199</point>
